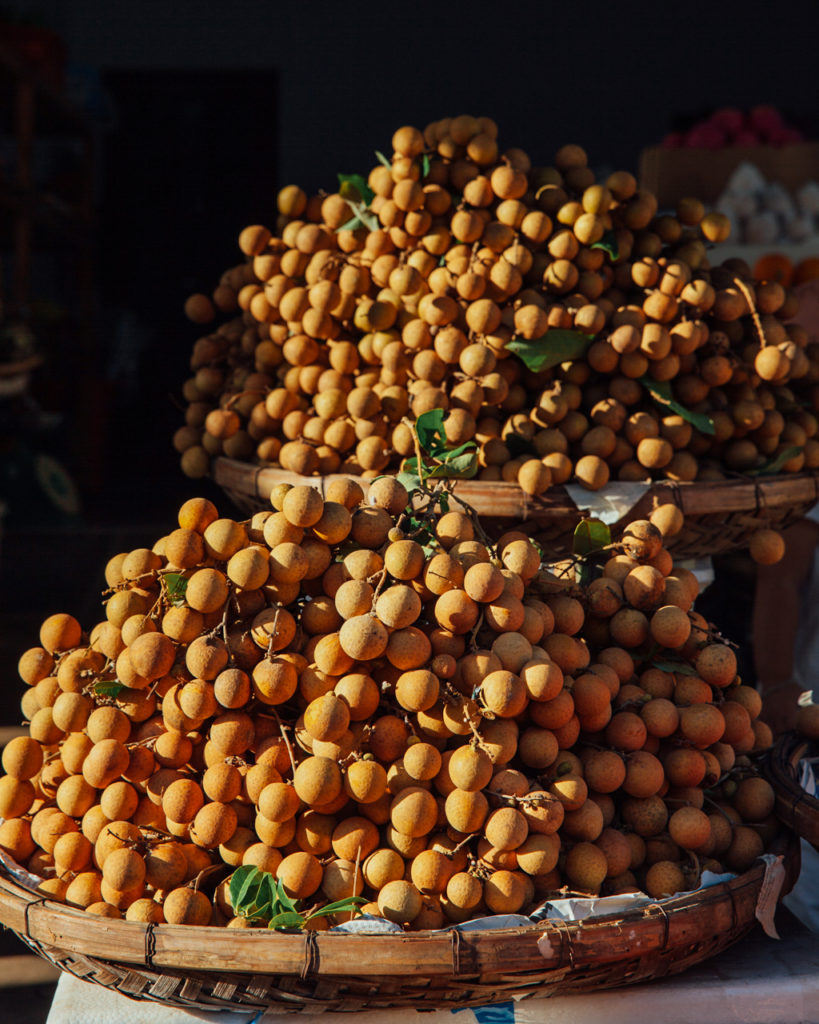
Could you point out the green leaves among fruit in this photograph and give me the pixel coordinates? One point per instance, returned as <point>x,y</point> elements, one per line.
<point>554,347</point>
<point>175,586</point>
<point>776,463</point>
<point>260,896</point>
<point>359,195</point>
<point>660,391</point>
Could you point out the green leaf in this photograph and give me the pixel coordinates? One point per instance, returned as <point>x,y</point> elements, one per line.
<point>283,898</point>
<point>443,501</point>
<point>556,346</point>
<point>354,187</point>
<point>382,159</point>
<point>410,480</point>
<point>775,464</point>
<point>289,919</point>
<point>461,467</point>
<point>339,907</point>
<point>176,586</point>
<point>584,573</point>
<point>608,243</point>
<point>267,895</point>
<point>660,391</point>
<point>108,687</point>
<point>430,430</point>
<point>425,165</point>
<point>681,667</point>
<point>469,446</point>
<point>263,910</point>
<point>590,535</point>
<point>241,881</point>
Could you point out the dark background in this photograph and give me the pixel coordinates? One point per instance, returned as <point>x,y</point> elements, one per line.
<point>201,111</point>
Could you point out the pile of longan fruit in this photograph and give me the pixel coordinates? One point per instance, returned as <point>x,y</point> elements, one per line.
<point>448,728</point>
<point>331,336</point>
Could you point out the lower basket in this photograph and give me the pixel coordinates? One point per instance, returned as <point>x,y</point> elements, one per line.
<point>204,969</point>
<point>719,515</point>
<point>797,809</point>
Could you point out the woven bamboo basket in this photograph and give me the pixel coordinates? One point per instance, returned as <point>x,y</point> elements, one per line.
<point>252,969</point>
<point>720,515</point>
<point>795,808</point>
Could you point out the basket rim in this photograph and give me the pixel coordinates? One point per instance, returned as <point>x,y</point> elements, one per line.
<point>543,945</point>
<point>795,807</point>
<point>741,493</point>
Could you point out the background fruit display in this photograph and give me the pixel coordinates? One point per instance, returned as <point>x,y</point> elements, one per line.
<point>363,700</point>
<point>559,321</point>
<point>762,125</point>
<point>764,212</point>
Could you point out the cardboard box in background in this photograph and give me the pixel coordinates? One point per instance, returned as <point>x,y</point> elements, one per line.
<point>674,172</point>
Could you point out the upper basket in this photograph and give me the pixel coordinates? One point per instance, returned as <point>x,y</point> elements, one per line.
<point>719,515</point>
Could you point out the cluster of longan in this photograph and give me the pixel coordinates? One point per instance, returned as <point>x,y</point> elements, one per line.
<point>336,331</point>
<point>364,701</point>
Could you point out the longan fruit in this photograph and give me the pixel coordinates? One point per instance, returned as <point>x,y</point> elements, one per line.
<point>592,472</point>
<point>716,663</point>
<point>443,572</point>
<point>422,761</point>
<point>35,664</point>
<point>389,494</point>
<point>166,865</point>
<point>417,690</point>
<point>105,762</point>
<point>483,582</point>
<point>470,768</point>
<point>84,889</point>
<point>404,559</point>
<point>504,694</point>
<point>16,841</point>
<point>327,717</point>
<point>409,648</point>
<point>213,825</point>
<point>302,506</point>
<point>398,606</point>
<point>456,611</point>
<point>207,590</point>
<point>16,797</point>
<point>365,781</point>
<point>466,811</point>
<point>382,866</point>
<point>361,694</point>
<point>644,587</point>
<point>22,757</point>
<point>766,546</point>
<point>754,799</point>
<point>400,901</point>
<point>317,780</point>
<point>184,905</point>
<point>363,637</point>
<point>182,800</point>
<point>119,800</point>
<point>506,828</point>
<point>414,812</point>
<point>124,869</point>
<point>60,632</point>
<point>278,802</point>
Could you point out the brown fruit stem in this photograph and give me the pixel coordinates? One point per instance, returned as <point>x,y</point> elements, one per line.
<point>285,737</point>
<point>746,291</point>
